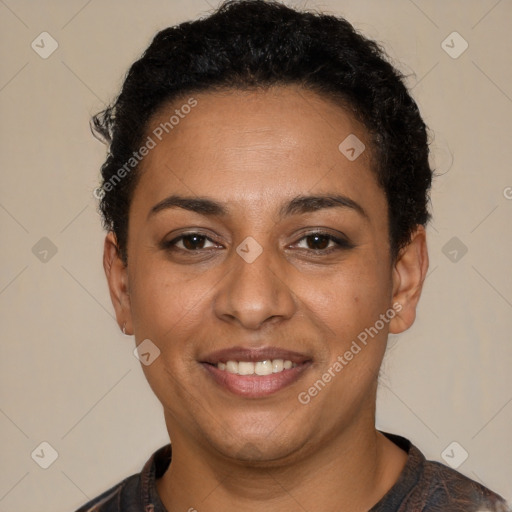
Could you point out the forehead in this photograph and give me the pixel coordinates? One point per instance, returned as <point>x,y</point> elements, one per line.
<point>257,146</point>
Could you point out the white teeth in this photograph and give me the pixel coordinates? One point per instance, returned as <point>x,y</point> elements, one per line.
<point>266,367</point>
<point>231,367</point>
<point>277,365</point>
<point>245,368</point>
<point>263,367</point>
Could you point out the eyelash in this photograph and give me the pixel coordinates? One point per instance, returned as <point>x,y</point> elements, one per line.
<point>340,242</point>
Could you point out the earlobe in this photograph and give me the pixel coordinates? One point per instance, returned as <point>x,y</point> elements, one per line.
<point>409,274</point>
<point>117,277</point>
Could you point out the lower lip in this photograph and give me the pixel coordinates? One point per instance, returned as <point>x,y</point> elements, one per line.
<point>255,386</point>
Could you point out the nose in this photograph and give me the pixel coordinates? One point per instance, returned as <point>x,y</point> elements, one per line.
<point>255,293</point>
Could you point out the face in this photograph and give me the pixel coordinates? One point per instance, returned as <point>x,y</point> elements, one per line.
<point>256,245</point>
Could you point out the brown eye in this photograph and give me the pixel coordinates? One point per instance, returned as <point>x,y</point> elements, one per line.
<point>316,241</point>
<point>191,242</point>
<point>323,242</point>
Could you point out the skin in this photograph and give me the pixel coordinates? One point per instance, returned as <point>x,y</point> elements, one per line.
<point>253,152</point>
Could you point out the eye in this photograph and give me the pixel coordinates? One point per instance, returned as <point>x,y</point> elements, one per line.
<point>190,242</point>
<point>319,242</point>
<point>323,242</point>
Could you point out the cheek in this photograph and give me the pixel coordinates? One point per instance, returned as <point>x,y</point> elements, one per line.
<point>367,327</point>
<point>168,308</point>
<point>350,299</point>
<point>351,313</point>
<point>166,303</point>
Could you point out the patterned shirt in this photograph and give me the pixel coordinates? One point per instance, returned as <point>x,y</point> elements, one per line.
<point>423,486</point>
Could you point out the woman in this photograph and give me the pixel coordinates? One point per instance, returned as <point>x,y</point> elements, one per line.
<point>265,197</point>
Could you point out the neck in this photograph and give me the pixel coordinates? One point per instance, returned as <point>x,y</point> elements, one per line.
<point>352,472</point>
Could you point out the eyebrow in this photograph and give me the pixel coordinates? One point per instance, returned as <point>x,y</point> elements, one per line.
<point>298,205</point>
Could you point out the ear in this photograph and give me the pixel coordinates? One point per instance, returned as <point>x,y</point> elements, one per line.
<point>409,274</point>
<point>117,278</point>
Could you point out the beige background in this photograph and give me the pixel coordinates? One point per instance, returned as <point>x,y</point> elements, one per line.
<point>68,376</point>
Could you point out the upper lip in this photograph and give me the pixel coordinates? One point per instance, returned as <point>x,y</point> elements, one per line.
<point>254,354</point>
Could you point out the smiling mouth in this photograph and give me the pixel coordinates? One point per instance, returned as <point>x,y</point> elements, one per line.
<point>255,373</point>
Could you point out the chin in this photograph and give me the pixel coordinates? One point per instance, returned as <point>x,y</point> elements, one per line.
<point>248,444</point>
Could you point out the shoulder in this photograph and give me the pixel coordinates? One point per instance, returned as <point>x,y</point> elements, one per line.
<point>137,492</point>
<point>441,488</point>
<point>430,486</point>
<point>112,499</point>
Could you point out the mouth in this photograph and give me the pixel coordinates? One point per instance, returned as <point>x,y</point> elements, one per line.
<point>255,373</point>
